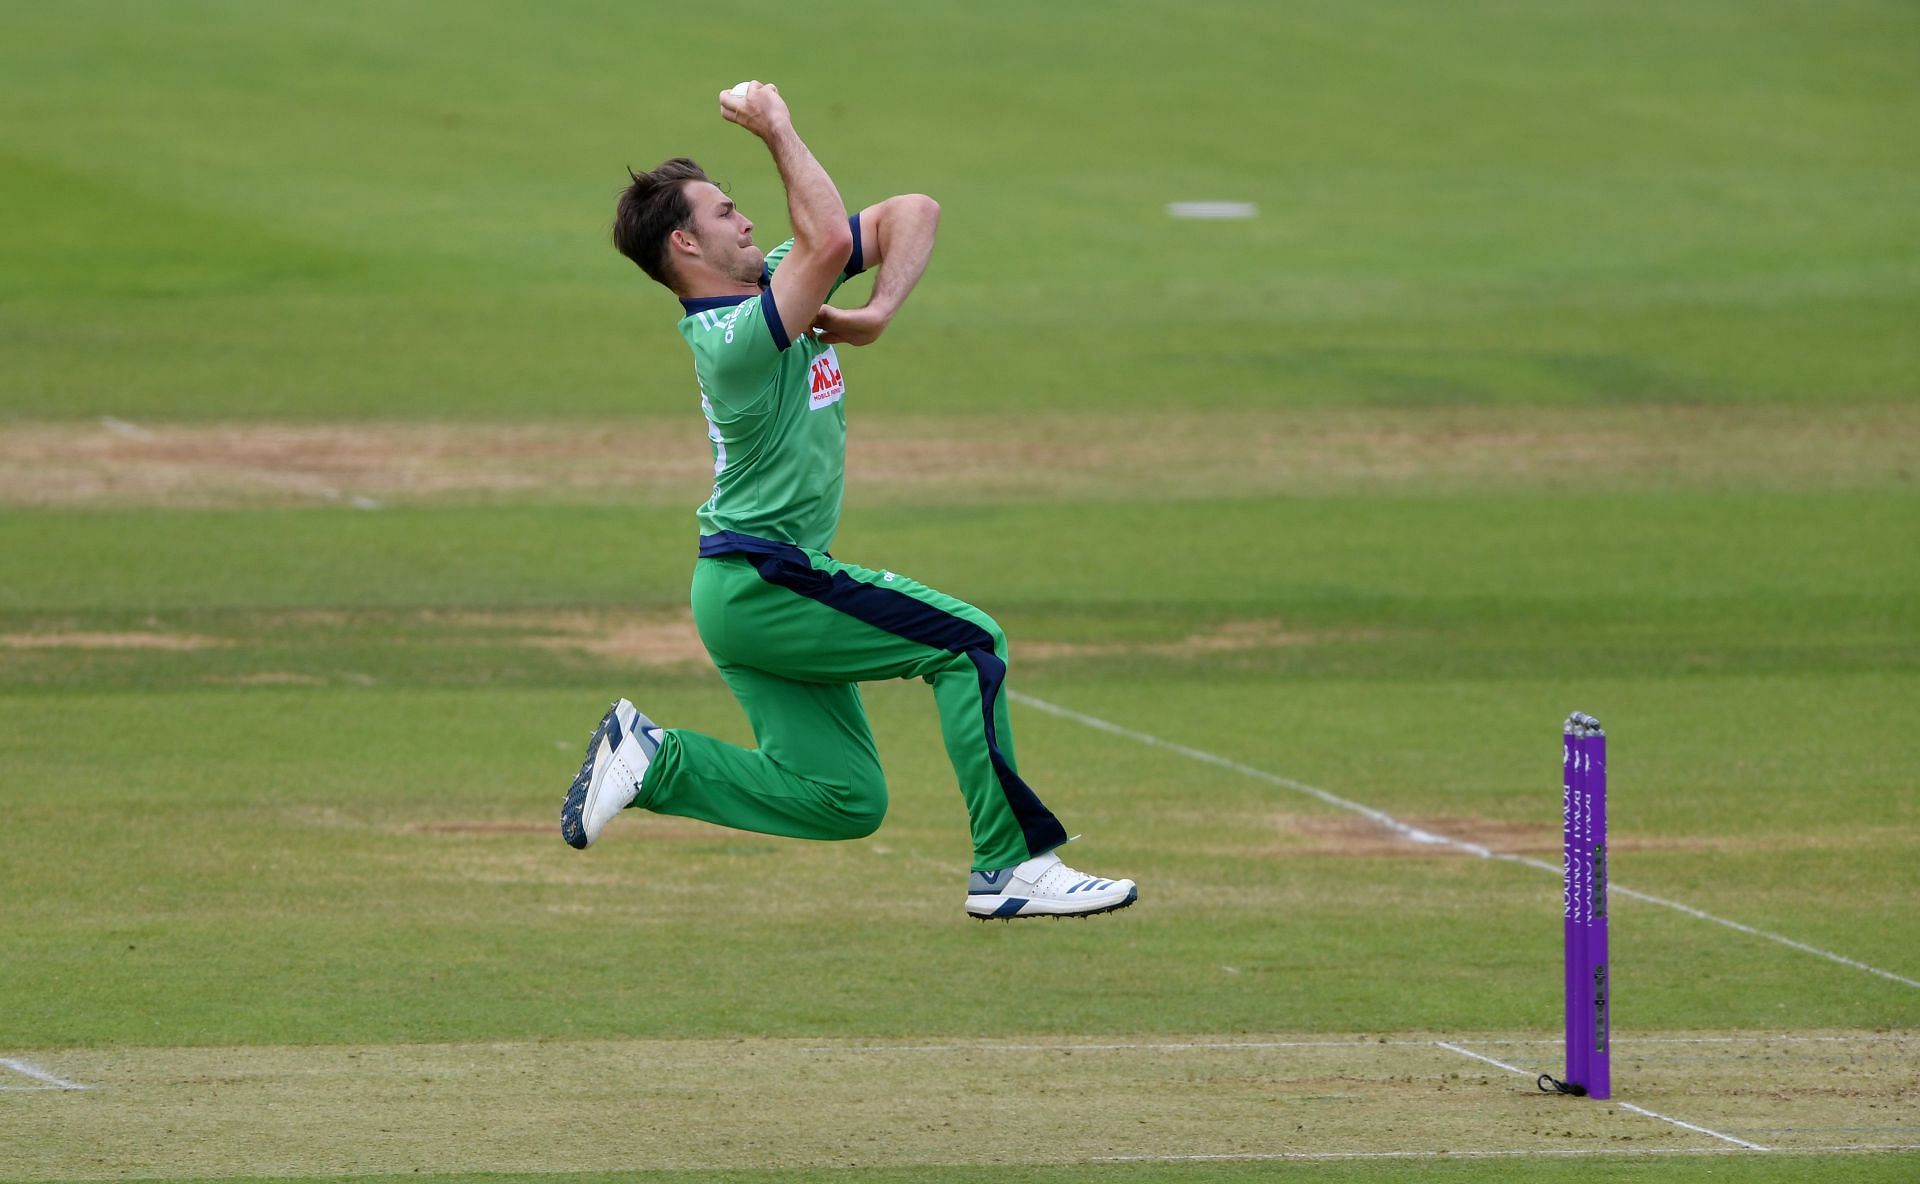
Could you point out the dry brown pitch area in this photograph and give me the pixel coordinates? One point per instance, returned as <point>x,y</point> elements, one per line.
<point>739,1104</point>
<point>663,460</point>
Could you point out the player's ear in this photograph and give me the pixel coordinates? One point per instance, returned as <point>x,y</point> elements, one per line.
<point>683,242</point>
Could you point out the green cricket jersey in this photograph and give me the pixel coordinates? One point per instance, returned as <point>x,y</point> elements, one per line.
<point>775,414</point>
<point>793,631</point>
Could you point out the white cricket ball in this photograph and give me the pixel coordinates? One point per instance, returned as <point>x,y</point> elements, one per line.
<point>740,90</point>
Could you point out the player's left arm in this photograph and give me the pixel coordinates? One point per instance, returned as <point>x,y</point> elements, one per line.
<point>895,236</point>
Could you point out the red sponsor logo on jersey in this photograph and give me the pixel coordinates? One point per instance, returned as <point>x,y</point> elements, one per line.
<point>826,385</point>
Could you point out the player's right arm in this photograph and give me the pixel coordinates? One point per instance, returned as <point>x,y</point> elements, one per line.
<point>822,240</point>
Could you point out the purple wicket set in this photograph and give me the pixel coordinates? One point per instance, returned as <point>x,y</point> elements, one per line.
<point>1584,782</point>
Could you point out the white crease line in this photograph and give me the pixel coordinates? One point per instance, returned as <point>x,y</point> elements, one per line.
<point>121,427</point>
<point>1212,209</point>
<point>1688,1125</point>
<point>1467,1052</point>
<point>1379,816</point>
<point>1316,1156</point>
<point>1429,838</point>
<point>1139,1046</point>
<point>1756,1038</point>
<point>38,1074</point>
<point>1785,941</point>
<point>1544,1153</point>
<point>1623,1042</point>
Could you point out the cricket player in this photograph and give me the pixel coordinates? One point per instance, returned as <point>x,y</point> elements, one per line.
<point>792,629</point>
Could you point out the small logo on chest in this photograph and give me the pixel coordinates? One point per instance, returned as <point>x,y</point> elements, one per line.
<point>824,382</point>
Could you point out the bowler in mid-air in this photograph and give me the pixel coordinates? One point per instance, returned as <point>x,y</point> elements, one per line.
<point>792,629</point>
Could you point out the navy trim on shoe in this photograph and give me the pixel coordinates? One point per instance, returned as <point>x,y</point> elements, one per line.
<point>988,883</point>
<point>903,616</point>
<point>572,827</point>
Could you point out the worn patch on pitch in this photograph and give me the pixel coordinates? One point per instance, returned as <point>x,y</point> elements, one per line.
<point>664,460</point>
<point>105,640</point>
<point>1238,636</point>
<point>790,1104</point>
<point>638,639</point>
<point>268,678</point>
<point>1348,835</point>
<point>225,464</point>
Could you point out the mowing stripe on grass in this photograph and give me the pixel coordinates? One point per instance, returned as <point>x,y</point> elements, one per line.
<point>1429,838</point>
<point>1467,1052</point>
<point>988,1046</point>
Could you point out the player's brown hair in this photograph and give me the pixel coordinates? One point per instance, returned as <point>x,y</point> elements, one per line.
<point>652,208</point>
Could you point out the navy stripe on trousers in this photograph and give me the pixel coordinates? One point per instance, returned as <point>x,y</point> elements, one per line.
<point>904,616</point>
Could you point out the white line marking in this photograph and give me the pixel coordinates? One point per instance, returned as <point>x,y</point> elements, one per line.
<point>1257,1045</point>
<point>1785,941</point>
<point>1212,209</point>
<point>1756,1038</point>
<point>1120,1046</point>
<point>121,427</point>
<point>1311,1156</point>
<point>1688,1125</point>
<point>1467,1052</point>
<point>1429,838</point>
<point>1544,1153</point>
<point>1380,817</point>
<point>38,1074</point>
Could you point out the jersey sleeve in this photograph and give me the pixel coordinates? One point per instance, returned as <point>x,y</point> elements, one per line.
<point>737,352</point>
<point>776,256</point>
<point>856,262</point>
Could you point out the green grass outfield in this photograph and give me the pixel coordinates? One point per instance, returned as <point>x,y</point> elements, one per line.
<point>346,473</point>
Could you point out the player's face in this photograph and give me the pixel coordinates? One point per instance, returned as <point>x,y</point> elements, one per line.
<point>724,234</point>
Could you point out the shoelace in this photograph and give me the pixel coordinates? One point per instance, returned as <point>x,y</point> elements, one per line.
<point>1060,878</point>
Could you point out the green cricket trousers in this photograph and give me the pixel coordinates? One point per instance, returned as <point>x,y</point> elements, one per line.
<point>793,631</point>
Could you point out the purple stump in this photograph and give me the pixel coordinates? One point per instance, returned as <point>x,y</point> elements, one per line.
<point>1572,808</point>
<point>1584,830</point>
<point>1599,1000</point>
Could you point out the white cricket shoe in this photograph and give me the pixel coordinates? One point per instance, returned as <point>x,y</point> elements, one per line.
<point>1045,887</point>
<point>609,779</point>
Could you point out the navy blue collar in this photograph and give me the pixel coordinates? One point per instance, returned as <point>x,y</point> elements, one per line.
<point>709,303</point>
